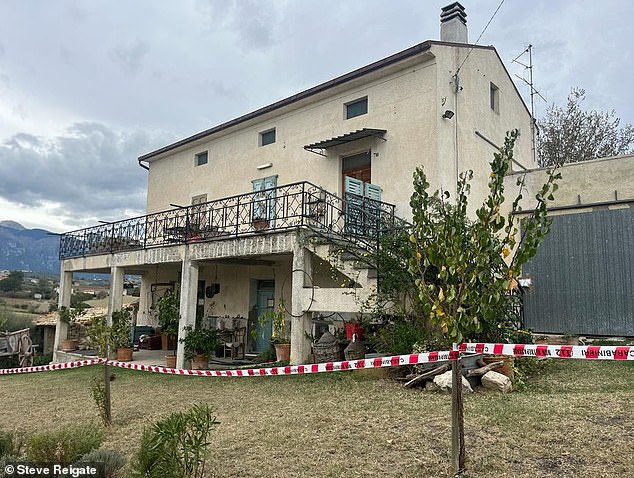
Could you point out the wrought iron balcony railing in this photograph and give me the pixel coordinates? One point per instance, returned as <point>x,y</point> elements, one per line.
<point>358,219</point>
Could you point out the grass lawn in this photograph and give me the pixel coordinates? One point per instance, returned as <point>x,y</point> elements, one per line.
<point>577,419</point>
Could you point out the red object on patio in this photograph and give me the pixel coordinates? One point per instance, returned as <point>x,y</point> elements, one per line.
<point>354,328</point>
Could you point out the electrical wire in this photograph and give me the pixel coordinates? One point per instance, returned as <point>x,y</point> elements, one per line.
<point>484,30</point>
<point>312,295</point>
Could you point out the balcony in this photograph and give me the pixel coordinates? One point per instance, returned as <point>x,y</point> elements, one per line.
<point>299,205</point>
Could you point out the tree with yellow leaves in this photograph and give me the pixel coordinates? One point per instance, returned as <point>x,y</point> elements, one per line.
<point>462,267</point>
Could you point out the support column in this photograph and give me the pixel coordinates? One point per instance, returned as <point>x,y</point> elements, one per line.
<point>301,321</point>
<point>115,299</point>
<point>189,291</point>
<point>65,291</point>
<point>143,317</point>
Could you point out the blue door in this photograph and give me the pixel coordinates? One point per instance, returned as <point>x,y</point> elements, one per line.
<point>265,302</point>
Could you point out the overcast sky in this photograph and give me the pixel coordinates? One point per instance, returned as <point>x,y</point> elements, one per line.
<point>88,86</point>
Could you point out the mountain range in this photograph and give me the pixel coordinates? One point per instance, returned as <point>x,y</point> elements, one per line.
<point>34,250</point>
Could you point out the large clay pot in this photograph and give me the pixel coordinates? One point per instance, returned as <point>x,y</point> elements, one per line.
<point>170,361</point>
<point>200,362</point>
<point>507,366</point>
<point>69,345</point>
<point>124,354</point>
<point>283,352</point>
<point>167,343</point>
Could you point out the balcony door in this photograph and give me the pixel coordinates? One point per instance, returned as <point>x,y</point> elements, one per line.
<point>360,195</point>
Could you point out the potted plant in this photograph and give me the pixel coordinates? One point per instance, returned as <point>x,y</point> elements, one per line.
<point>199,344</point>
<point>260,223</point>
<point>69,317</point>
<point>120,339</point>
<point>168,317</point>
<point>115,336</point>
<point>280,336</point>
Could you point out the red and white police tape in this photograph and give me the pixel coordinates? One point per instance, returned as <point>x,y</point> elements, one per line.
<point>393,361</point>
<point>587,352</point>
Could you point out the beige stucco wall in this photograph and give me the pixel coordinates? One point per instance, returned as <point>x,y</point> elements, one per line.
<point>404,99</point>
<point>584,183</point>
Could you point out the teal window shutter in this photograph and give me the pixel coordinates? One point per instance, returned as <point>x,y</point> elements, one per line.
<point>354,186</point>
<point>372,191</point>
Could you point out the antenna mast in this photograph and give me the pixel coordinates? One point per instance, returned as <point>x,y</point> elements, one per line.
<point>533,91</point>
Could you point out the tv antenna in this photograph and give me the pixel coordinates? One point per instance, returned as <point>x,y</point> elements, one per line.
<point>529,82</point>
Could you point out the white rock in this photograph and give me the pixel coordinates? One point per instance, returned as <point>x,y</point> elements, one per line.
<point>443,382</point>
<point>496,381</point>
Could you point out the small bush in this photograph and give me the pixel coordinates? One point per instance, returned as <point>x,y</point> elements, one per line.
<point>401,336</point>
<point>113,461</point>
<point>11,443</point>
<point>42,359</point>
<point>98,393</point>
<point>176,446</point>
<point>65,445</point>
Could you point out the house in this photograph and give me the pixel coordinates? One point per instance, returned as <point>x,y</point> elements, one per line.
<point>253,213</point>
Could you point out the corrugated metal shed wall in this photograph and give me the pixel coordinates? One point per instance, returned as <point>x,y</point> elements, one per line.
<point>583,275</point>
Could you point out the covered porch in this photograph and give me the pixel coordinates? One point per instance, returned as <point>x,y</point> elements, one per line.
<point>227,268</point>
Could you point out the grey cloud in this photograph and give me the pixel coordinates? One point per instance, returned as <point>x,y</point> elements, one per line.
<point>130,57</point>
<point>254,23</point>
<point>90,170</point>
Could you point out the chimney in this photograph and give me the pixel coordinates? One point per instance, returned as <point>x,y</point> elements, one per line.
<point>453,24</point>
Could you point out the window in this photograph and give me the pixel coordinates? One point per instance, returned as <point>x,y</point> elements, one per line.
<point>201,158</point>
<point>357,108</point>
<point>495,98</point>
<point>201,198</point>
<point>263,203</point>
<point>267,137</point>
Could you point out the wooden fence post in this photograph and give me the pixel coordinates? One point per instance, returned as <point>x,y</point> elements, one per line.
<point>457,416</point>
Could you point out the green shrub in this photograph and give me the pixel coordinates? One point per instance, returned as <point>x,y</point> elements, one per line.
<point>401,335</point>
<point>42,359</point>
<point>65,445</point>
<point>176,446</point>
<point>112,461</point>
<point>98,393</point>
<point>11,443</point>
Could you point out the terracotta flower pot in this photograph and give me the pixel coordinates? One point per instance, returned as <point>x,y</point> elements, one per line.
<point>200,362</point>
<point>507,366</point>
<point>69,345</point>
<point>283,352</point>
<point>124,354</point>
<point>170,361</point>
<point>167,342</point>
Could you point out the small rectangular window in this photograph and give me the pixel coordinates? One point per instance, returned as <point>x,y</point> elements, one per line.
<point>200,199</point>
<point>201,158</point>
<point>267,137</point>
<point>357,108</point>
<point>495,98</point>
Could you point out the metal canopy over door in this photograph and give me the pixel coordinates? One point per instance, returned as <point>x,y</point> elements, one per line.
<point>583,276</point>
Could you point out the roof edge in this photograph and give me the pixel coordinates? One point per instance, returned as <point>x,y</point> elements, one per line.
<point>377,65</point>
